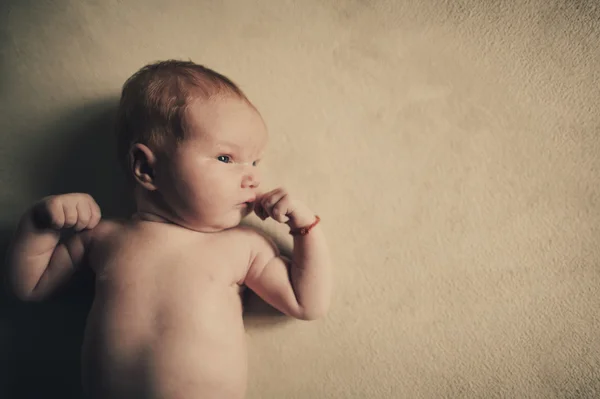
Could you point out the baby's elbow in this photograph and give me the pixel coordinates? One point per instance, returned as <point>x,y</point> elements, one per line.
<point>21,294</point>
<point>25,292</point>
<point>27,295</point>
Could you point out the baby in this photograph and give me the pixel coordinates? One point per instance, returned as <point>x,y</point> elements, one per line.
<point>166,321</point>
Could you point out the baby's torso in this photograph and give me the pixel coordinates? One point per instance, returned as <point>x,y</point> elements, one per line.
<point>166,321</point>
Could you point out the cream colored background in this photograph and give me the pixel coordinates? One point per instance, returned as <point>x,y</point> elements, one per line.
<point>450,147</point>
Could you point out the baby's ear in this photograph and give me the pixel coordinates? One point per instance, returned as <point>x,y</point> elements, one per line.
<point>142,162</point>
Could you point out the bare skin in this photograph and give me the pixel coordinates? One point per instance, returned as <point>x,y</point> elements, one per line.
<point>166,321</point>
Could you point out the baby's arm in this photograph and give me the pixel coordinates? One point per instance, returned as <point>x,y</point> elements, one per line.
<point>300,288</point>
<point>38,262</point>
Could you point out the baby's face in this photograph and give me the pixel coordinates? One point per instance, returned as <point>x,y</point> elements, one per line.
<point>213,176</point>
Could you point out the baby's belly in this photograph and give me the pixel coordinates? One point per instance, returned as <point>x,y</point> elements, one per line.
<point>168,349</point>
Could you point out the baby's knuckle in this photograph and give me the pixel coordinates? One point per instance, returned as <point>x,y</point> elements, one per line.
<point>83,207</point>
<point>278,210</point>
<point>53,203</point>
<point>71,215</point>
<point>81,199</point>
<point>83,217</point>
<point>88,199</point>
<point>285,199</point>
<point>96,209</point>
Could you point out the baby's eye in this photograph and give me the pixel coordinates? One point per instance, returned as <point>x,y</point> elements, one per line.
<point>224,158</point>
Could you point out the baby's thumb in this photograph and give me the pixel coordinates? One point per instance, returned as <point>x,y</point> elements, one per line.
<point>259,210</point>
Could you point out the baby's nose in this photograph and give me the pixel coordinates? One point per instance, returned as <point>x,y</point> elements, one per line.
<point>251,179</point>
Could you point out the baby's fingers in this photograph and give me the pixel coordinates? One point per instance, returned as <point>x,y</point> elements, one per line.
<point>71,216</point>
<point>84,214</point>
<point>261,206</point>
<point>280,210</point>
<point>50,213</point>
<point>269,200</point>
<point>95,217</point>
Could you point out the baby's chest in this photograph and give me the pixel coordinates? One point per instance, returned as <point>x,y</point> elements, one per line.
<point>170,281</point>
<point>185,262</point>
<point>212,262</point>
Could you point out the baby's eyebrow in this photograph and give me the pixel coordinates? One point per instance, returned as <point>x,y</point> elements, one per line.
<point>228,145</point>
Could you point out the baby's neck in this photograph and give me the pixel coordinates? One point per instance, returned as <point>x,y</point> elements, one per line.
<point>150,217</point>
<point>150,207</point>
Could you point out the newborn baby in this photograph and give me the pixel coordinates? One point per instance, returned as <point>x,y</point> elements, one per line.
<point>166,321</point>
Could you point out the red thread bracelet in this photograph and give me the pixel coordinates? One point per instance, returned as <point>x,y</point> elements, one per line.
<point>304,230</point>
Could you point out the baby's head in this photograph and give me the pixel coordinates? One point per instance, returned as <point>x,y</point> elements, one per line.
<point>190,142</point>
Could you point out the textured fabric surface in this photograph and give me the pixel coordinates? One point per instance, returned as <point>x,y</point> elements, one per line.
<point>451,149</point>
